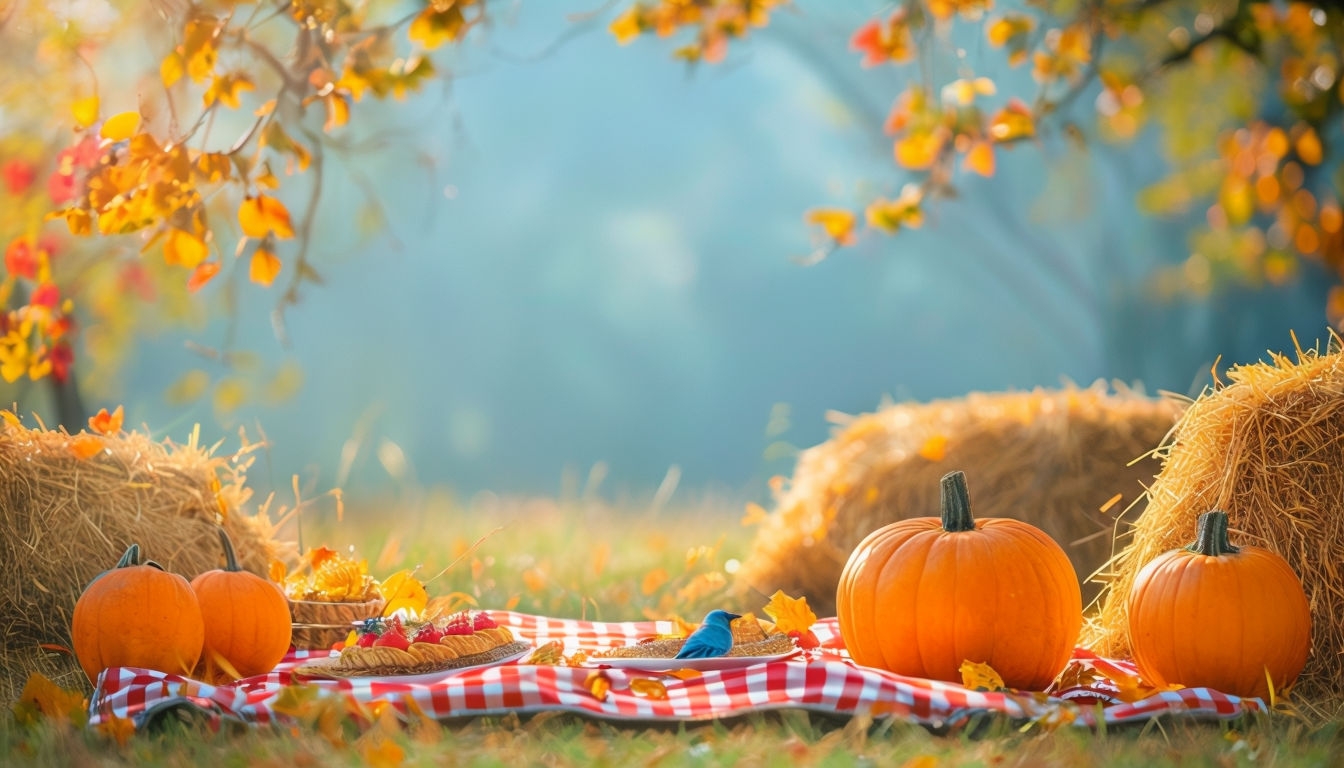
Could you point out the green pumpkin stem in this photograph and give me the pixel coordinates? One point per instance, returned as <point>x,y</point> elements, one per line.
<point>132,558</point>
<point>230,559</point>
<point>956,504</point>
<point>1211,535</point>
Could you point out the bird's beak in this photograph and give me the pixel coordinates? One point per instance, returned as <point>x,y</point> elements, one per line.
<point>732,616</point>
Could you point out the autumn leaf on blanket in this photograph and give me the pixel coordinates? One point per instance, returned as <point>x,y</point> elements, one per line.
<point>649,688</point>
<point>118,729</point>
<point>598,684</point>
<point>551,654</point>
<point>683,674</point>
<point>1129,687</point>
<point>980,677</point>
<point>42,698</point>
<point>789,613</point>
<point>403,590</point>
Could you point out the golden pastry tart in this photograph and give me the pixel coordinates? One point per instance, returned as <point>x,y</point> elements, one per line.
<point>382,648</point>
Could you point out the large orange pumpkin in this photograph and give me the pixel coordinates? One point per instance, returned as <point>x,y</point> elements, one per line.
<point>1219,616</point>
<point>247,622</point>
<point>923,595</point>
<point>137,616</point>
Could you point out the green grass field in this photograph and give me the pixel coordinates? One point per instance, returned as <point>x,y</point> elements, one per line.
<point>591,560</point>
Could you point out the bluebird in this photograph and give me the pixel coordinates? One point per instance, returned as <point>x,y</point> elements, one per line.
<point>713,638</point>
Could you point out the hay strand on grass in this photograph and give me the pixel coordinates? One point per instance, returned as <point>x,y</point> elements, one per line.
<point>1267,448</point>
<point>65,519</point>
<point>1053,458</point>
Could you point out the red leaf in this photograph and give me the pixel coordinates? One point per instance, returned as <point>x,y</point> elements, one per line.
<point>18,175</point>
<point>201,275</point>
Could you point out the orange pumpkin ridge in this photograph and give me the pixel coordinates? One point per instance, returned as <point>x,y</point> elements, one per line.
<point>247,620</point>
<point>137,615</point>
<point>1219,616</point>
<point>920,596</point>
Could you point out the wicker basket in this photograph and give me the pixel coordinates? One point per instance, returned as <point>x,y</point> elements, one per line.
<point>320,625</point>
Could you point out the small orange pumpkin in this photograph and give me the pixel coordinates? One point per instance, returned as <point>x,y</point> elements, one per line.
<point>247,622</point>
<point>923,595</point>
<point>1219,616</point>
<point>137,616</point>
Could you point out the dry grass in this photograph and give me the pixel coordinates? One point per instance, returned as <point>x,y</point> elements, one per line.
<point>1053,458</point>
<point>1267,448</point>
<point>65,519</point>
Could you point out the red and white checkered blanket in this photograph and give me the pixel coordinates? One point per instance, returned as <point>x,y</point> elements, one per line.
<point>822,680</point>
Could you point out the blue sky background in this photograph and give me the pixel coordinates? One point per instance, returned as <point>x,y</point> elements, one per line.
<point>590,257</point>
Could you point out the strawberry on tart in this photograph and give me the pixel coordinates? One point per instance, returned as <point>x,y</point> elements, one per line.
<point>393,647</point>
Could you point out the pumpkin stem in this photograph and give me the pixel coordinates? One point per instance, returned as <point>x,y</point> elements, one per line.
<point>1211,535</point>
<point>132,557</point>
<point>230,560</point>
<point>956,504</point>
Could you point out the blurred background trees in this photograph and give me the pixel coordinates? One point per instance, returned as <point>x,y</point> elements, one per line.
<point>560,252</point>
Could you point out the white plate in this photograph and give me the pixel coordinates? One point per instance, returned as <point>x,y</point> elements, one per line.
<point>420,678</point>
<point>700,665</point>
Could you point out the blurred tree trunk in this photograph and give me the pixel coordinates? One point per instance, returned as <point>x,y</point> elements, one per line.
<point>65,397</point>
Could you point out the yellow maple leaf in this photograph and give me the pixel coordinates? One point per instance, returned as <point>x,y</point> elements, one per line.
<point>85,111</point>
<point>918,150</point>
<point>980,158</point>
<point>627,26</point>
<point>980,677</point>
<point>790,614</point>
<point>432,28</point>
<point>264,268</point>
<point>225,89</point>
<point>184,249</point>
<point>43,698</point>
<point>649,688</point>
<point>403,590</point>
<point>120,126</point>
<point>891,215</point>
<point>172,68</point>
<point>838,224</point>
<point>1013,122</point>
<point>262,215</point>
<point>598,683</point>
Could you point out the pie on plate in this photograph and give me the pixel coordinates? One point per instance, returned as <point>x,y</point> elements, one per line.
<point>390,648</point>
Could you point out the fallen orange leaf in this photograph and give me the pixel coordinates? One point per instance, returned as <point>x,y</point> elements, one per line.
<point>106,424</point>
<point>86,446</point>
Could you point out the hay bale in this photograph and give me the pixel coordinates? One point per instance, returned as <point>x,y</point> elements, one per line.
<point>1052,458</point>
<point>64,520</point>
<point>1267,448</point>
